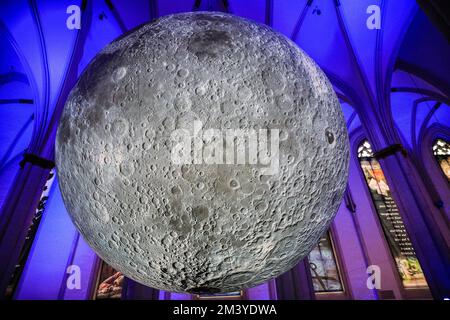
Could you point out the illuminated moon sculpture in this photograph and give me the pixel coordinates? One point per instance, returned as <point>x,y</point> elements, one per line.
<point>202,153</point>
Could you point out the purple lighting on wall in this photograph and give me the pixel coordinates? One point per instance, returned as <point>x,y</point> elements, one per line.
<point>393,84</point>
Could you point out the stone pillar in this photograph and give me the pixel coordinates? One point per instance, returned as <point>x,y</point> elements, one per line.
<point>133,290</point>
<point>296,284</point>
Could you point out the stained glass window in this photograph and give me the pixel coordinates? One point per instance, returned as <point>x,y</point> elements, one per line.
<point>110,283</point>
<point>324,268</point>
<point>441,151</point>
<point>392,224</point>
<point>31,234</point>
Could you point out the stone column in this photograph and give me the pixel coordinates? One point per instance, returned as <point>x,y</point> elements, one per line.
<point>296,284</point>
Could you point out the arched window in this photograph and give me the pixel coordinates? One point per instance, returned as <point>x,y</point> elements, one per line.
<point>29,239</point>
<point>441,151</point>
<point>391,222</point>
<point>110,283</point>
<point>324,267</point>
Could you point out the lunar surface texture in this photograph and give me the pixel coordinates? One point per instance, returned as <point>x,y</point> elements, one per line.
<point>169,217</point>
